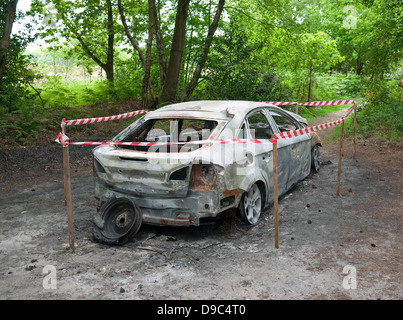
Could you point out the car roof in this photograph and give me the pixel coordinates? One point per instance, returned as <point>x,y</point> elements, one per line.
<point>219,109</point>
<point>213,109</point>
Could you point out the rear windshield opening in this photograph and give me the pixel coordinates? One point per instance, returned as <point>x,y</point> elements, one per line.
<point>170,130</point>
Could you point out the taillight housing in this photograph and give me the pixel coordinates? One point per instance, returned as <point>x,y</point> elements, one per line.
<point>203,177</point>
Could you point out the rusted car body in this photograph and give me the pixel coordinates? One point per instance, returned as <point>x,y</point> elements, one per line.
<point>179,185</point>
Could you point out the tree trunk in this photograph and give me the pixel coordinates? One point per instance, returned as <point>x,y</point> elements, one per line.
<point>310,84</point>
<point>107,66</point>
<point>162,64</point>
<point>360,65</point>
<point>140,52</point>
<point>147,66</point>
<point>175,59</point>
<point>400,84</point>
<point>5,38</point>
<point>206,49</point>
<point>110,52</point>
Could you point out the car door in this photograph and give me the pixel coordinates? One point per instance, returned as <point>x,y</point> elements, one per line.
<point>299,156</point>
<point>260,126</point>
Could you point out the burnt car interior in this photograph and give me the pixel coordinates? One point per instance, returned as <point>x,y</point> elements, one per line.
<point>259,126</point>
<point>170,130</point>
<point>284,123</point>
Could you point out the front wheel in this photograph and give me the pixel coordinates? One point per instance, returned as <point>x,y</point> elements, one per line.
<point>251,205</point>
<point>315,159</point>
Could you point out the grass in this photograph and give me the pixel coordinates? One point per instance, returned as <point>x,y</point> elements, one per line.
<point>313,112</point>
<point>61,97</point>
<point>383,123</point>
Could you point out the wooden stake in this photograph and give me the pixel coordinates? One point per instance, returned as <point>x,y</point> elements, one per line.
<point>275,194</point>
<point>355,132</point>
<point>67,194</point>
<point>340,156</point>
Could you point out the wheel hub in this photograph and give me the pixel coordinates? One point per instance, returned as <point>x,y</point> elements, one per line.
<point>122,220</point>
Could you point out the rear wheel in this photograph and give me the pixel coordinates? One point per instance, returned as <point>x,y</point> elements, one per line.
<point>121,218</point>
<point>251,205</point>
<point>315,159</point>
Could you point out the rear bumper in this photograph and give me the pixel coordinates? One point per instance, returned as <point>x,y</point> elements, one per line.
<point>174,211</point>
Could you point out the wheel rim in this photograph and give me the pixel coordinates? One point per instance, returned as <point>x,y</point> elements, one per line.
<point>316,158</point>
<point>252,204</point>
<point>119,220</point>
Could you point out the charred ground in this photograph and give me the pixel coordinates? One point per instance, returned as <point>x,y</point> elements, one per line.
<point>320,234</point>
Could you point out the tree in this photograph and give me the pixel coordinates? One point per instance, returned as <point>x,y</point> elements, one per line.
<point>175,58</point>
<point>315,52</point>
<point>92,23</point>
<point>5,38</point>
<point>17,78</point>
<point>239,75</point>
<point>206,49</point>
<point>170,70</point>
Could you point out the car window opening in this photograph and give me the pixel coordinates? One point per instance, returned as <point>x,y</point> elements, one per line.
<point>170,130</point>
<point>259,126</point>
<point>284,124</point>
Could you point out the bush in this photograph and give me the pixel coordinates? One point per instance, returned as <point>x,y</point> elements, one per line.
<point>337,86</point>
<point>385,122</point>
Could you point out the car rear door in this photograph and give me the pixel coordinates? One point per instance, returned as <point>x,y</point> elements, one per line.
<point>262,127</point>
<point>300,155</point>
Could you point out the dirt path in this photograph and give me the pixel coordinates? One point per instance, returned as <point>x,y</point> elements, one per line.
<point>320,235</point>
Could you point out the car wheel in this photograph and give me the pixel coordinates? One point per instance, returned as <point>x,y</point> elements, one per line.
<point>251,205</point>
<point>120,219</point>
<point>315,159</point>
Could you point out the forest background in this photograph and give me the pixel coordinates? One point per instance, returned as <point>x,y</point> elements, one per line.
<point>74,59</point>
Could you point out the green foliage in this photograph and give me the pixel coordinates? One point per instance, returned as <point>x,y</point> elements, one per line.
<point>238,78</point>
<point>314,53</point>
<point>62,94</point>
<point>337,86</point>
<point>263,50</point>
<point>17,96</point>
<point>310,113</point>
<point>241,75</point>
<point>385,123</point>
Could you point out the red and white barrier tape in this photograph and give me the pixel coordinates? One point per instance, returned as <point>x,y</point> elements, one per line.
<point>328,103</point>
<point>279,103</point>
<point>314,103</point>
<point>300,132</point>
<point>63,139</point>
<point>102,119</point>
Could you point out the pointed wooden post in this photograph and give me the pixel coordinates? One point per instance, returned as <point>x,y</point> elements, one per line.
<point>340,156</point>
<point>275,194</point>
<point>355,132</point>
<point>67,192</point>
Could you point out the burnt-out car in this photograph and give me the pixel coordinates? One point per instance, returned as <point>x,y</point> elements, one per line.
<point>172,178</point>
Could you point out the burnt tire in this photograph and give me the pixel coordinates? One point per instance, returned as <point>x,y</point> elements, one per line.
<point>116,221</point>
<point>315,159</point>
